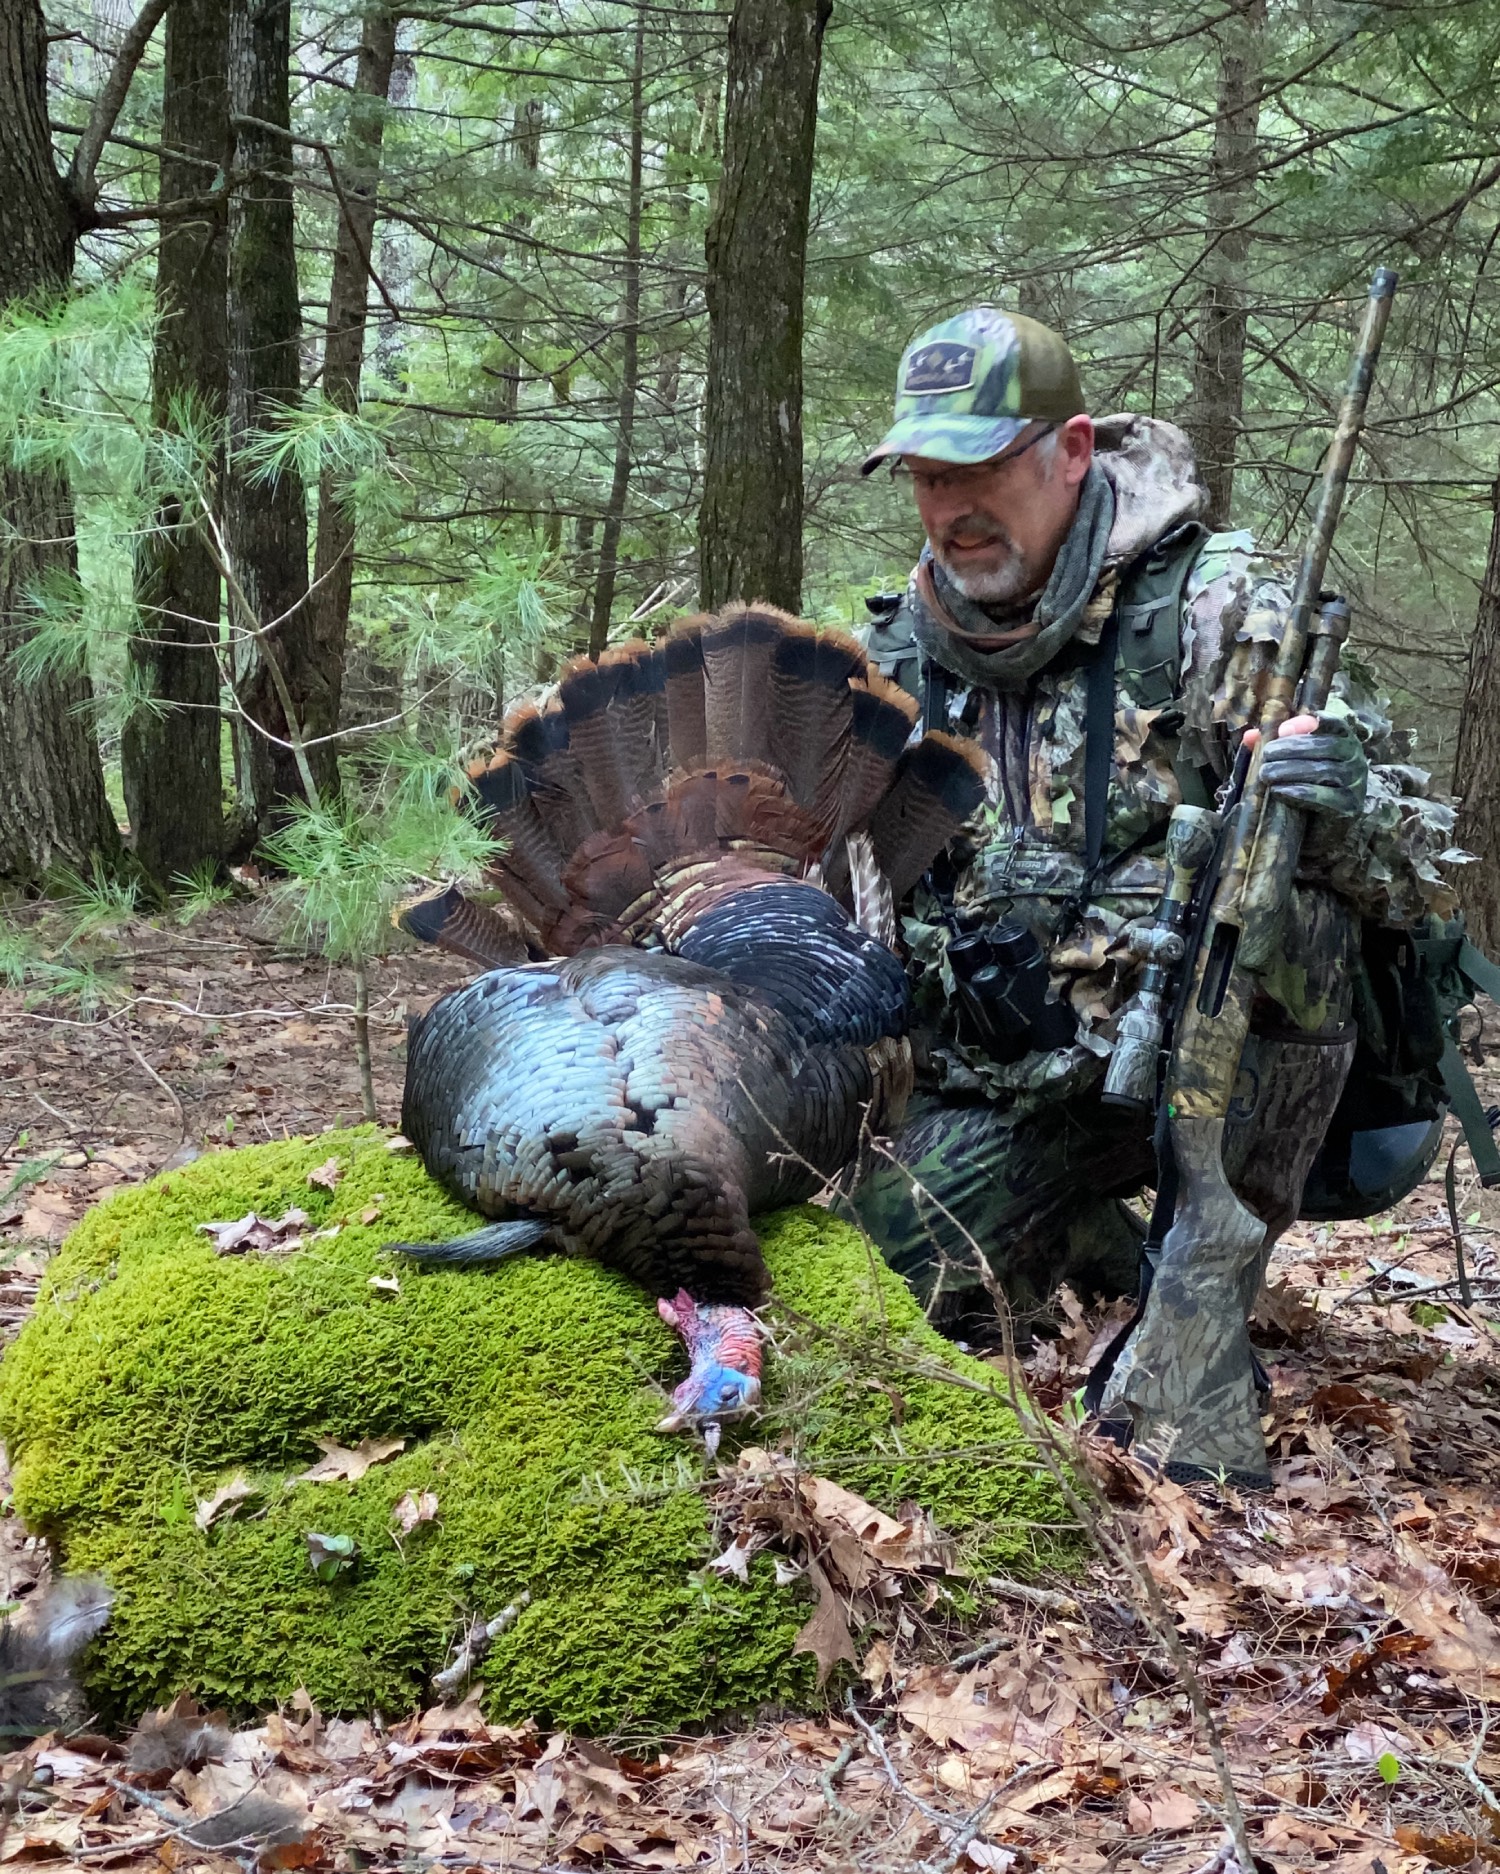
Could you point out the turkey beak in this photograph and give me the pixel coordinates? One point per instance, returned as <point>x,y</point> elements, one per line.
<point>711,1429</point>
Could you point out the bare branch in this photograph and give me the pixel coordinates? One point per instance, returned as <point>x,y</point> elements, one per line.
<point>83,181</point>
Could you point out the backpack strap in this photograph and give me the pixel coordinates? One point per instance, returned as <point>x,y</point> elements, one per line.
<point>1468,1110</point>
<point>1149,609</point>
<point>1446,946</point>
<point>1141,647</point>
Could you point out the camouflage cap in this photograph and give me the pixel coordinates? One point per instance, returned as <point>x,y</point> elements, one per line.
<point>969,386</point>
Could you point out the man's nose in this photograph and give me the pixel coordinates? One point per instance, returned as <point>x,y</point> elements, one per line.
<point>942,507</point>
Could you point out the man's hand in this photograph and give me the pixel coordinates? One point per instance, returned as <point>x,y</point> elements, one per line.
<point>1317,763</point>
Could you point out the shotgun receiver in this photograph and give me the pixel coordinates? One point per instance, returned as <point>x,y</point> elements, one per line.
<point>1183,1381</point>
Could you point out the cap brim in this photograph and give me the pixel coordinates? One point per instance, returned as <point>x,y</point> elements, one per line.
<point>958,439</point>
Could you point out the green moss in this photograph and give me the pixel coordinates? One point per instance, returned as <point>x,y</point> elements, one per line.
<point>153,1369</point>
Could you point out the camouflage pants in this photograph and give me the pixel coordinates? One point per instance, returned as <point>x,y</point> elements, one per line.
<point>1039,1190</point>
<point>1038,1186</point>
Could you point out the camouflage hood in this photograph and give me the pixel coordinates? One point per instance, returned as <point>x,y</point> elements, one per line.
<point>1142,484</point>
<point>1149,464</point>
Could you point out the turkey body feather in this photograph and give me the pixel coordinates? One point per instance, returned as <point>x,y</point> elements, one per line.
<point>646,1105</point>
<point>711,1029</point>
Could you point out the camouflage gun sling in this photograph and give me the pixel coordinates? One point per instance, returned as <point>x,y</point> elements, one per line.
<point>1184,1380</point>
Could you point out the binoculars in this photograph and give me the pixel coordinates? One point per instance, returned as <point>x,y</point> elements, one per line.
<point>1002,979</point>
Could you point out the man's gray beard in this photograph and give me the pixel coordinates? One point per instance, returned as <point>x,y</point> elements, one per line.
<point>1004,586</point>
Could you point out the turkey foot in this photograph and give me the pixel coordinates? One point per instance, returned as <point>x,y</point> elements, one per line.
<point>723,1345</point>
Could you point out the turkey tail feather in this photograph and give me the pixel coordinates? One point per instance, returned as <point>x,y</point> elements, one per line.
<point>739,645</point>
<point>883,717</point>
<point>453,922</point>
<point>939,783</point>
<point>493,1243</point>
<point>812,716</point>
<point>682,657</point>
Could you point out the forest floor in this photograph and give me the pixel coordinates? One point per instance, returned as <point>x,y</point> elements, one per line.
<point>1343,1632</point>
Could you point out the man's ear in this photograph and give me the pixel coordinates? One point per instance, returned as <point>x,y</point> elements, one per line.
<point>1075,448</point>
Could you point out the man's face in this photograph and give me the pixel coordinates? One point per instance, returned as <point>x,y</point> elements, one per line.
<point>995,527</point>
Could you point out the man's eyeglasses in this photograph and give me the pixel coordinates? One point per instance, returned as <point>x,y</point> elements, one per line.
<point>970,474</point>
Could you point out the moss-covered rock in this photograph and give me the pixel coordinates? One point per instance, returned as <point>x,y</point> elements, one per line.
<point>154,1370</point>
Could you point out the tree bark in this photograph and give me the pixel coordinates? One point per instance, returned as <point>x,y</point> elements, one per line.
<point>344,348</point>
<point>169,756</point>
<point>53,808</point>
<point>630,360</point>
<point>1217,398</point>
<point>266,519</point>
<point>1476,769</point>
<point>750,521</point>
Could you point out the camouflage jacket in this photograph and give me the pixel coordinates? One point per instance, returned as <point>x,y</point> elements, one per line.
<point>1024,853</point>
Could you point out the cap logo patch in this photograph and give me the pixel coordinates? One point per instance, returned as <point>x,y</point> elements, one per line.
<point>944,365</point>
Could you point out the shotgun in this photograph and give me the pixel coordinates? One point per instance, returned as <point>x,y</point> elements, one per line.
<point>1183,1380</point>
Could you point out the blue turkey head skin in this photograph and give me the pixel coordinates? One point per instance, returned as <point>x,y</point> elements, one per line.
<point>710,1393</point>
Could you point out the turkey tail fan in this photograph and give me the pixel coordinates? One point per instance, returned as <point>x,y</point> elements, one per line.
<point>939,782</point>
<point>453,922</point>
<point>746,736</point>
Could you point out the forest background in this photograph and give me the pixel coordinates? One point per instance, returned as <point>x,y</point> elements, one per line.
<point>359,366</point>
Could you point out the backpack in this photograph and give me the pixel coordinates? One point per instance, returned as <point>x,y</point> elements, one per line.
<point>1407,1073</point>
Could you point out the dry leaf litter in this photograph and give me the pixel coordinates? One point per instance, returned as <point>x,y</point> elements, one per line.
<point>1343,1629</point>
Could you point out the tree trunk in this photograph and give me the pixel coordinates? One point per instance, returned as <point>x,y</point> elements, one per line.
<point>266,519</point>
<point>1217,398</point>
<point>750,522</point>
<point>169,758</point>
<point>630,362</point>
<point>52,803</point>
<point>396,261</point>
<point>1476,769</point>
<point>344,348</point>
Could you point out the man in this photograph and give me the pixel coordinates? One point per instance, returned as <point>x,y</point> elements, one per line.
<point>1068,560</point>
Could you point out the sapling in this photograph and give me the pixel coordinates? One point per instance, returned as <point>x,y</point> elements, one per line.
<point>348,862</point>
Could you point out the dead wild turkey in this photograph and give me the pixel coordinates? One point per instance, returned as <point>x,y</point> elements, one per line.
<point>710,1026</point>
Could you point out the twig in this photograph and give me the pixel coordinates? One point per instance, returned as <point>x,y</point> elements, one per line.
<point>362,1039</point>
<point>876,1743</point>
<point>1471,1769</point>
<point>834,1774</point>
<point>74,1130</point>
<point>1053,1600</point>
<point>977,1655</point>
<point>164,1812</point>
<point>976,1818</point>
<point>146,1068</point>
<point>1450,1191</point>
<point>109,1849</point>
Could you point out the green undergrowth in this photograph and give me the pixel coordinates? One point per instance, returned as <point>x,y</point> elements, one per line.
<point>154,1371</point>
